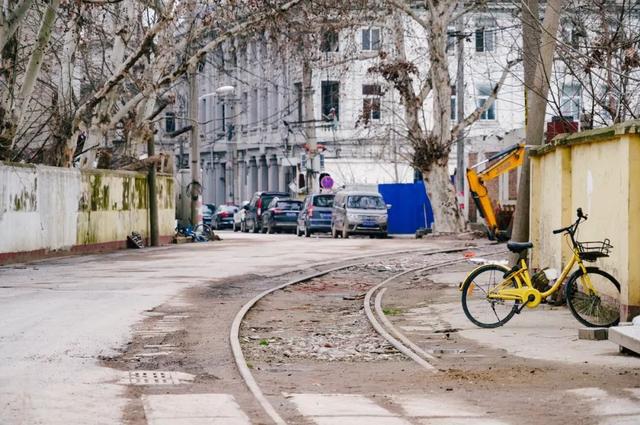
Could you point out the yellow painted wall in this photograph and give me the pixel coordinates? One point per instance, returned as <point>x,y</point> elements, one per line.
<point>115,203</point>
<point>598,171</point>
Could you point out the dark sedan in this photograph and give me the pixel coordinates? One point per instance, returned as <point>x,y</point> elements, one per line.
<point>316,214</point>
<point>282,215</point>
<point>223,217</point>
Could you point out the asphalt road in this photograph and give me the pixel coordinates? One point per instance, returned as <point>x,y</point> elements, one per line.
<point>59,317</point>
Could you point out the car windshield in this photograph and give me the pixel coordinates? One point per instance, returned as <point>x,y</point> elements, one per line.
<point>206,209</point>
<point>365,202</point>
<point>289,205</point>
<point>323,201</point>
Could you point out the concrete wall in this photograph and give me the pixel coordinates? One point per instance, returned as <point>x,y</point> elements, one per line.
<point>599,171</point>
<point>45,209</point>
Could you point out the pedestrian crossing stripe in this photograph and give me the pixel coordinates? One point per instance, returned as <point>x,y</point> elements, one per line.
<point>357,409</point>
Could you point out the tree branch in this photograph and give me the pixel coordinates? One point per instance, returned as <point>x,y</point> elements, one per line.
<point>475,115</point>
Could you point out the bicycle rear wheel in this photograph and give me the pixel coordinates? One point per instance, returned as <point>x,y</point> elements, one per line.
<point>479,309</point>
<point>600,309</point>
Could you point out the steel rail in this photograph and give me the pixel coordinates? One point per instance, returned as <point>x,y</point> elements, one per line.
<point>387,330</point>
<point>234,334</point>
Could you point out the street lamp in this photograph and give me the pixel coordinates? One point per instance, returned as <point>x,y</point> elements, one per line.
<point>234,185</point>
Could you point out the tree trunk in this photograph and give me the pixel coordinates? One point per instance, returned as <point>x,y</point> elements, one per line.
<point>442,195</point>
<point>536,105</point>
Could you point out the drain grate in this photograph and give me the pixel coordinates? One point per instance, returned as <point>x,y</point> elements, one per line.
<point>156,377</point>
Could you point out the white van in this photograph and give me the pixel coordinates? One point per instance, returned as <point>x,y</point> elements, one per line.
<point>361,213</point>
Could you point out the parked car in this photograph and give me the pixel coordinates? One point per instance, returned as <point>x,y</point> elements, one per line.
<point>316,214</point>
<point>363,213</point>
<point>207,213</point>
<point>282,215</point>
<point>223,217</point>
<point>258,204</point>
<point>239,217</point>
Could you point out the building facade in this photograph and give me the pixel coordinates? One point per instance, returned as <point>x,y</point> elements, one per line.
<point>254,136</point>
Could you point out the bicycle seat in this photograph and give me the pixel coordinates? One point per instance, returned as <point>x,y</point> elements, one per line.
<point>518,247</point>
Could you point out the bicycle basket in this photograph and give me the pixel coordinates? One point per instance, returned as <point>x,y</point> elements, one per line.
<point>591,251</point>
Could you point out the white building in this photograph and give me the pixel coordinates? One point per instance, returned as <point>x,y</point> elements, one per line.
<point>254,139</point>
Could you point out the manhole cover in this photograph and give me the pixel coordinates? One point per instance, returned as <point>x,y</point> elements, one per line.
<point>155,377</point>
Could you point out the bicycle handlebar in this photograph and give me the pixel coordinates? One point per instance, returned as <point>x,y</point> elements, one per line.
<point>571,229</point>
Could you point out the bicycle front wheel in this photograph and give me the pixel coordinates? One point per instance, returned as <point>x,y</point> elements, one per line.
<point>481,310</point>
<point>203,232</point>
<point>599,308</point>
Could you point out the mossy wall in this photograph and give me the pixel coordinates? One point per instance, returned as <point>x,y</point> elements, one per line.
<point>113,204</point>
<point>56,208</point>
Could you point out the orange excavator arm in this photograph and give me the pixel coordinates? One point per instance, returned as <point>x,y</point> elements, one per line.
<point>508,160</point>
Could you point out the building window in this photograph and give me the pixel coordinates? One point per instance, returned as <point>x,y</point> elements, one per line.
<point>275,105</point>
<point>253,116</point>
<point>371,102</point>
<point>264,105</point>
<point>451,41</point>
<point>298,91</point>
<point>329,42</point>
<point>330,100</point>
<point>484,92</point>
<point>570,98</point>
<point>454,104</point>
<point>245,110</point>
<point>170,122</point>
<point>486,35</point>
<point>371,39</point>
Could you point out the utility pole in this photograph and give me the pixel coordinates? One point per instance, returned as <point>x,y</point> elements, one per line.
<point>460,167</point>
<point>196,217</point>
<point>310,127</point>
<point>154,239</point>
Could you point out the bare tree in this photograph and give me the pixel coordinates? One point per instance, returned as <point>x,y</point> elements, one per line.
<point>431,142</point>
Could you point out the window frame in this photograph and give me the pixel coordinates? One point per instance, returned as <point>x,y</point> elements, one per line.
<point>370,45</point>
<point>334,94</point>
<point>371,97</point>
<point>327,40</point>
<point>481,98</point>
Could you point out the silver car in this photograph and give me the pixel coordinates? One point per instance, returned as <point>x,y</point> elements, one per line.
<point>360,213</point>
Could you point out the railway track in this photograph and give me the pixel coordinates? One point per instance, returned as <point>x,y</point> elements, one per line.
<point>372,307</point>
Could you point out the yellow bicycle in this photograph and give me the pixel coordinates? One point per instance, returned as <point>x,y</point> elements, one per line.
<point>492,294</point>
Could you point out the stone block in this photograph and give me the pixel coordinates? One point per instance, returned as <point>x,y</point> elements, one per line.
<point>593,334</point>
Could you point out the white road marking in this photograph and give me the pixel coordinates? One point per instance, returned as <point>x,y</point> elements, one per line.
<point>442,411</point>
<point>341,409</point>
<point>611,408</point>
<point>193,409</point>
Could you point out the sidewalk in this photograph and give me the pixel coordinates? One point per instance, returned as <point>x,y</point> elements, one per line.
<point>544,333</point>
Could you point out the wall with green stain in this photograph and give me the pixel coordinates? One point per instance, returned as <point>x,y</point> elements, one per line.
<point>115,203</point>
<point>63,207</point>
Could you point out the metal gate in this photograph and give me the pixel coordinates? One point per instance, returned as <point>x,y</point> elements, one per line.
<point>411,208</point>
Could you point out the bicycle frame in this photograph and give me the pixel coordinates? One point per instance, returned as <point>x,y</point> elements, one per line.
<point>526,293</point>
